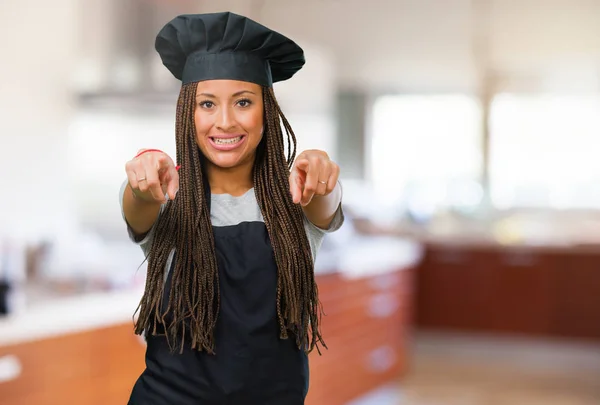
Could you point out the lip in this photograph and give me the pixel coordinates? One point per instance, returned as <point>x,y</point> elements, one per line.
<point>226,148</point>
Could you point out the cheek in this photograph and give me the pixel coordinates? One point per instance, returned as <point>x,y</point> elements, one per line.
<point>254,126</point>
<point>202,128</point>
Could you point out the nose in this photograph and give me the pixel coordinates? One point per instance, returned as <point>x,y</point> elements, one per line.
<point>225,120</point>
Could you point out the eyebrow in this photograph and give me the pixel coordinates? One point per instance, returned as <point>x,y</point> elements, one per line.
<point>239,93</point>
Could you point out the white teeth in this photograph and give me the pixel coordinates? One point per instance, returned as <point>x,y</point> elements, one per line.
<point>227,141</point>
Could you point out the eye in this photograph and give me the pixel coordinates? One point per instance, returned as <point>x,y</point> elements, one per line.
<point>244,103</point>
<point>206,104</point>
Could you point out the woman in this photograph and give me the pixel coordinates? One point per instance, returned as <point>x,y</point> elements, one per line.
<point>230,309</point>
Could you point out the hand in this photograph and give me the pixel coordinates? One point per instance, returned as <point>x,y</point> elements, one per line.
<point>313,174</point>
<point>151,176</point>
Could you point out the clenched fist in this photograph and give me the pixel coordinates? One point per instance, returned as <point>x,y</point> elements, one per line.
<point>152,176</point>
<point>313,174</point>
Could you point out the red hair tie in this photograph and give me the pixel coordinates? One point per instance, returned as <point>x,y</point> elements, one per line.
<point>155,150</point>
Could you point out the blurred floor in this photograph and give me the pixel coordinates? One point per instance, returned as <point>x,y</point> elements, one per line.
<point>479,370</point>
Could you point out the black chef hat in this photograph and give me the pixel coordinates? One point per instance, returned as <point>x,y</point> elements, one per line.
<point>196,47</point>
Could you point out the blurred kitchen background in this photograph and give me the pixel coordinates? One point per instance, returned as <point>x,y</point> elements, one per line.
<point>468,133</point>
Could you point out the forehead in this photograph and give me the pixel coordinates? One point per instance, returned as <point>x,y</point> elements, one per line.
<point>226,88</point>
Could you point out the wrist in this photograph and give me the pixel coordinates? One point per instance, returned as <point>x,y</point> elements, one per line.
<point>331,200</point>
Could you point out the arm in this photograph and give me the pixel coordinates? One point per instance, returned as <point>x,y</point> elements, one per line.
<point>322,209</point>
<point>139,214</point>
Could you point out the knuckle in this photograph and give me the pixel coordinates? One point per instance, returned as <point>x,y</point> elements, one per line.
<point>152,182</point>
<point>131,165</point>
<point>148,163</point>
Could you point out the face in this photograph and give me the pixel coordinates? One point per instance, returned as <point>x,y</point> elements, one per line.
<point>229,121</point>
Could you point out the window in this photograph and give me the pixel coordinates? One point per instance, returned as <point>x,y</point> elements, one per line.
<point>101,142</point>
<point>426,151</point>
<point>544,151</point>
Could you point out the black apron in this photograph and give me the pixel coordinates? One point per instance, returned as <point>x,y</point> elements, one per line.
<point>252,366</point>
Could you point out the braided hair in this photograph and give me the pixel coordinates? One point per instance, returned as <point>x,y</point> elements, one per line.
<point>185,226</point>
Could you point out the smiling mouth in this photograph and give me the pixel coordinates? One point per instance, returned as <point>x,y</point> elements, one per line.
<point>227,141</point>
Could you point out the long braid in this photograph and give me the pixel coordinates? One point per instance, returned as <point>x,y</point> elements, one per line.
<point>185,226</point>
<point>300,309</point>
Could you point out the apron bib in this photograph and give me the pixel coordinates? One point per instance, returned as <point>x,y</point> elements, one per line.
<point>252,366</point>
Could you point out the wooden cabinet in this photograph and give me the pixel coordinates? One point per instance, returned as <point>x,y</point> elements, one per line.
<point>533,291</point>
<point>46,367</point>
<point>97,368</point>
<point>450,293</point>
<point>365,329</point>
<point>576,306</point>
<point>521,290</point>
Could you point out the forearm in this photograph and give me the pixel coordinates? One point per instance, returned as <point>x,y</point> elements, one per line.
<point>321,209</point>
<point>139,214</point>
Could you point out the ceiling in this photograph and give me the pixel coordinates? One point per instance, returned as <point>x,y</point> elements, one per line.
<point>385,45</point>
<point>424,45</point>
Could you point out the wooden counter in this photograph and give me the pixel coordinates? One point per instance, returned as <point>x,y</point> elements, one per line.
<point>366,332</point>
<point>538,291</point>
<point>365,329</point>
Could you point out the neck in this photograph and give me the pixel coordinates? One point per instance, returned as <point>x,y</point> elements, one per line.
<point>235,180</point>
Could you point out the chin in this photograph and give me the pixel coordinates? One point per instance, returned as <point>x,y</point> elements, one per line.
<point>225,162</point>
